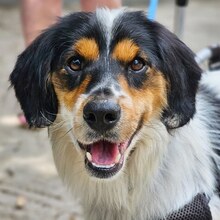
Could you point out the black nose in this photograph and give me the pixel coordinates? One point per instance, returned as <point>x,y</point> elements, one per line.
<point>101,115</point>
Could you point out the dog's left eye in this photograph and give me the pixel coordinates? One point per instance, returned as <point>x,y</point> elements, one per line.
<point>75,64</point>
<point>137,64</point>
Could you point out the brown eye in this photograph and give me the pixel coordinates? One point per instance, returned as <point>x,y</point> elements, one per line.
<point>75,64</point>
<point>137,64</point>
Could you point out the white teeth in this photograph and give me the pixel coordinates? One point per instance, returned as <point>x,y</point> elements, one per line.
<point>89,156</point>
<point>103,166</point>
<point>117,159</point>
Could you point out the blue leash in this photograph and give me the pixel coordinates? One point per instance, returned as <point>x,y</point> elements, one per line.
<point>152,9</point>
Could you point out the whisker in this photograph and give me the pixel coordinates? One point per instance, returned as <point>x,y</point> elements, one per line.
<point>66,133</point>
<point>59,125</point>
<point>45,117</point>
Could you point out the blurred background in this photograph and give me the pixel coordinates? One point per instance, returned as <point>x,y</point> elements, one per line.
<point>29,185</point>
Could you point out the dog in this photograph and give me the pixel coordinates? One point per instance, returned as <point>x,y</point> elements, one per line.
<point>133,122</point>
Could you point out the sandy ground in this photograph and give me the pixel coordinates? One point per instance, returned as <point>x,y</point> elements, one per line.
<point>29,186</point>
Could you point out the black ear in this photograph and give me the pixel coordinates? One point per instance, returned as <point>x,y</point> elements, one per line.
<point>178,64</point>
<point>30,79</point>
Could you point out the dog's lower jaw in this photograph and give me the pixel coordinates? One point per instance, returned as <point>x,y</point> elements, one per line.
<point>152,180</point>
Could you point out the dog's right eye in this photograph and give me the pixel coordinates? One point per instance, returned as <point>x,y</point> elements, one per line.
<point>75,64</point>
<point>137,65</point>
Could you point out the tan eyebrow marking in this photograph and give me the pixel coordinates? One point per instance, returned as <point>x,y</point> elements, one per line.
<point>88,48</point>
<point>125,50</point>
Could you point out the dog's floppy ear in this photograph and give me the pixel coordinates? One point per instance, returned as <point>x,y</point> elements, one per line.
<point>177,63</point>
<point>30,79</point>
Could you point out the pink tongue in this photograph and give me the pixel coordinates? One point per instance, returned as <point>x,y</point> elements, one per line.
<point>104,153</point>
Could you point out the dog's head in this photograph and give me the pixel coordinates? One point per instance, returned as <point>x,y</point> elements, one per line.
<point>107,74</point>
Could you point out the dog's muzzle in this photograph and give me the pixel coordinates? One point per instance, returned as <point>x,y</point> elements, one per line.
<point>103,157</point>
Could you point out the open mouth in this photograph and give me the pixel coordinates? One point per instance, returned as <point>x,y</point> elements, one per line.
<point>103,158</point>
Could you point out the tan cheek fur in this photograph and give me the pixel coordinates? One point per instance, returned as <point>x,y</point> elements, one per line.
<point>145,103</point>
<point>87,48</point>
<point>69,98</point>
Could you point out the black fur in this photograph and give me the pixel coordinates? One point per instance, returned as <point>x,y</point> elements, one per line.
<point>169,55</point>
<point>30,80</point>
<point>181,70</point>
<point>31,75</point>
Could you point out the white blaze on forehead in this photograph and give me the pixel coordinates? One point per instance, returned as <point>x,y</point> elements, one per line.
<point>107,19</point>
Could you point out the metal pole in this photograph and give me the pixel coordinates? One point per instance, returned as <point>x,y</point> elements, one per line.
<point>179,17</point>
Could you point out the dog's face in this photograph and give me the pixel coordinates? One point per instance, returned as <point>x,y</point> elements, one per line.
<point>107,74</point>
